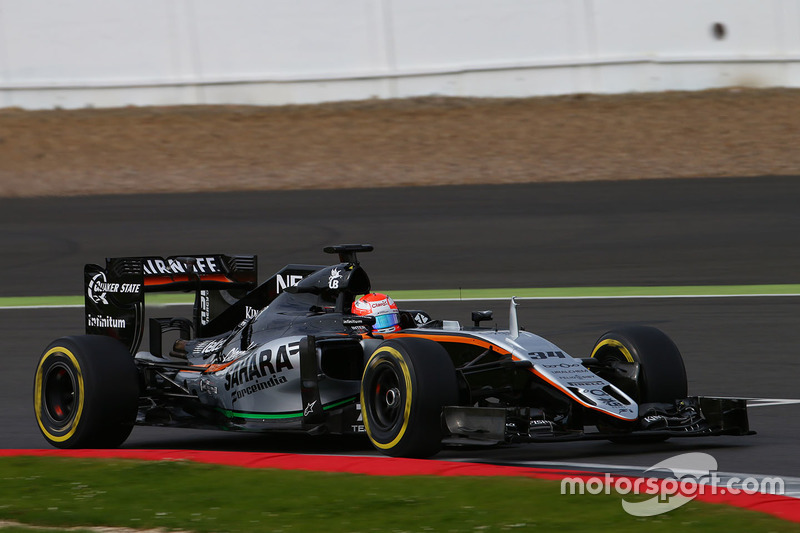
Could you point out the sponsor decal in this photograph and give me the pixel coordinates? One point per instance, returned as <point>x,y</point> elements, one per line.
<point>205,307</point>
<point>236,353</point>
<point>358,323</point>
<point>335,278</point>
<point>358,427</point>
<point>99,288</point>
<point>562,365</point>
<point>250,312</point>
<point>603,398</point>
<point>563,374</point>
<point>283,282</point>
<point>203,265</point>
<point>207,386</point>
<point>420,319</point>
<point>546,355</point>
<point>96,321</point>
<point>210,346</point>
<point>259,386</point>
<point>582,382</point>
<point>263,365</point>
<point>573,372</point>
<point>587,383</point>
<point>309,408</point>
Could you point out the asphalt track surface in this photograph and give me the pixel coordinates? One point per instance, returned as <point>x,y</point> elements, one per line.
<point>669,232</point>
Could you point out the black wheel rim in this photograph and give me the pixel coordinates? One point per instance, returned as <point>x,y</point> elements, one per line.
<point>387,399</point>
<point>59,393</point>
<point>627,385</point>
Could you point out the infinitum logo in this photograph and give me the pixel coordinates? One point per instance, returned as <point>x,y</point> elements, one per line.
<point>688,475</point>
<point>94,321</point>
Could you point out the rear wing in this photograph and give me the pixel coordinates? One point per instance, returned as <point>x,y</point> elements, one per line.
<point>225,288</point>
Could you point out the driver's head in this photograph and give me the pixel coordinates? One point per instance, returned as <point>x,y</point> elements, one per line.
<point>380,306</point>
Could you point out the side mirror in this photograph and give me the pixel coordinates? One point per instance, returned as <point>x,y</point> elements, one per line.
<point>481,316</point>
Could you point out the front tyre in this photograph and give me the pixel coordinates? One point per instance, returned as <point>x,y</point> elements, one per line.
<point>405,384</point>
<point>661,374</point>
<point>85,392</point>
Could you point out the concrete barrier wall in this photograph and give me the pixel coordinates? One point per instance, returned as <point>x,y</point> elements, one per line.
<point>76,53</point>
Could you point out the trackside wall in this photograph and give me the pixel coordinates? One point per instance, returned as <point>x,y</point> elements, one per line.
<point>107,53</point>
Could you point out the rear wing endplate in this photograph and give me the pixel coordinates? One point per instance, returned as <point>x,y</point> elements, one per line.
<point>225,287</point>
<point>114,295</point>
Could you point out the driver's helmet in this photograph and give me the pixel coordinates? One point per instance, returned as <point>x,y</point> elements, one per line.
<point>380,306</point>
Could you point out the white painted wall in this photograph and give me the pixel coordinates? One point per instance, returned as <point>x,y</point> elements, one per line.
<point>76,53</point>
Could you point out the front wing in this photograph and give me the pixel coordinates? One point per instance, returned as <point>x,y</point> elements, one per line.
<point>691,417</point>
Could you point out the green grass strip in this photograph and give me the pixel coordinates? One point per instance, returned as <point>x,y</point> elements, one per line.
<point>196,497</point>
<point>598,292</point>
<point>489,294</point>
<point>67,301</point>
<point>26,301</point>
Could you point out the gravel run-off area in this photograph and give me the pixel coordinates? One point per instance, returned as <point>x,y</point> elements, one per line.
<point>384,143</point>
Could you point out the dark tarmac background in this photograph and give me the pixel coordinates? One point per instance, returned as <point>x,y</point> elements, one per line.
<point>721,231</point>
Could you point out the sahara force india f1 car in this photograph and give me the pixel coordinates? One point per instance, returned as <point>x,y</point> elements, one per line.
<point>290,355</point>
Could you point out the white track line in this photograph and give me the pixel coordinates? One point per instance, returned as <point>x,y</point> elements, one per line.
<point>484,299</point>
<point>764,402</point>
<point>78,306</point>
<point>623,297</point>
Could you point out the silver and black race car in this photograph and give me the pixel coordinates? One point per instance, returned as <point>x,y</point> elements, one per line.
<point>289,355</point>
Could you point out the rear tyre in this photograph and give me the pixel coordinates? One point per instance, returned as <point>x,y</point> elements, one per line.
<point>662,374</point>
<point>85,392</point>
<point>405,384</point>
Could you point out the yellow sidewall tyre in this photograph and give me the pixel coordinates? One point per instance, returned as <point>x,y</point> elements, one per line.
<point>85,392</point>
<point>662,374</point>
<point>405,385</point>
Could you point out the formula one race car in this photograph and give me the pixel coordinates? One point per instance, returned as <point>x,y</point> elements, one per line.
<point>296,354</point>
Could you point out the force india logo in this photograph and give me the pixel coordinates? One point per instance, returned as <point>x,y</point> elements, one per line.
<point>99,288</point>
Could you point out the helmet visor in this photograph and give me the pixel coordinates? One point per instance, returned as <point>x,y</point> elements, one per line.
<point>387,320</point>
